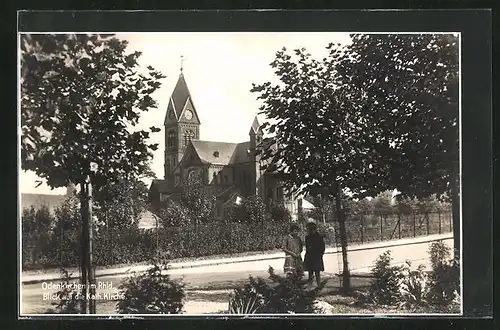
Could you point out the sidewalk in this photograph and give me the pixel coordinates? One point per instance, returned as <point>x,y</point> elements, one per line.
<point>130,269</point>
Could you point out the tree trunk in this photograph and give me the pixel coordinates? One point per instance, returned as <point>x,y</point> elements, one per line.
<point>88,282</point>
<point>84,247</point>
<point>346,277</point>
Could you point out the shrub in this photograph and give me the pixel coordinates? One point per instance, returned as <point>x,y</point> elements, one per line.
<point>69,297</point>
<point>445,274</point>
<point>153,292</point>
<point>283,295</point>
<point>385,287</point>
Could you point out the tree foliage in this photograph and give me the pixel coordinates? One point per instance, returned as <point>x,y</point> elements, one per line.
<point>81,98</point>
<point>309,106</point>
<point>120,204</point>
<point>408,85</point>
<point>251,211</point>
<point>199,200</point>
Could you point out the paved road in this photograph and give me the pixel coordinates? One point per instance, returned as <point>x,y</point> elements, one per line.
<point>223,276</point>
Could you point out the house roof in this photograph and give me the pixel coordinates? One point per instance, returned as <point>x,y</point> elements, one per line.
<point>37,200</point>
<point>179,97</point>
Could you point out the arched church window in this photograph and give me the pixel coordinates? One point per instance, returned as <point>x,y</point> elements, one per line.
<point>171,139</point>
<point>188,135</point>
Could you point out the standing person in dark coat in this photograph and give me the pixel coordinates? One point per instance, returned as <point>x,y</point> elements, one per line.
<point>315,248</point>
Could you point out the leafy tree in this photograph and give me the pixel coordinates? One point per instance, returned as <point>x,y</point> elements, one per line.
<point>308,106</point>
<point>69,84</point>
<point>251,210</point>
<point>382,203</point>
<point>120,204</point>
<point>66,240</point>
<point>81,99</point>
<point>36,229</point>
<point>409,86</point>
<point>360,207</point>
<point>174,214</point>
<point>199,200</point>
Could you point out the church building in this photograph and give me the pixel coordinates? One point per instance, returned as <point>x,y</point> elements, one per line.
<point>232,171</point>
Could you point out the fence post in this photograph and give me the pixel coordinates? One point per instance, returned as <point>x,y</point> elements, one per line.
<point>414,224</point>
<point>399,225</point>
<point>230,236</point>
<point>381,229</point>
<point>439,219</point>
<point>451,223</point>
<point>427,222</point>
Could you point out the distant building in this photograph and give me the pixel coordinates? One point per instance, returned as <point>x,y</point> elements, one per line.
<point>232,170</point>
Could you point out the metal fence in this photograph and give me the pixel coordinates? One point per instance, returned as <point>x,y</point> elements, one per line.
<point>370,227</point>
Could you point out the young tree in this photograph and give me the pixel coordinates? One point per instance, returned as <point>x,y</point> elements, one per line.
<point>409,86</point>
<point>81,98</point>
<point>199,200</point>
<point>310,105</point>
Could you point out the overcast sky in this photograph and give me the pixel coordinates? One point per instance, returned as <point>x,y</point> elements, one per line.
<point>219,69</point>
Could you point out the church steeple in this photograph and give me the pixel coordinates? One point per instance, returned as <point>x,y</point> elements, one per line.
<point>181,123</point>
<point>256,133</point>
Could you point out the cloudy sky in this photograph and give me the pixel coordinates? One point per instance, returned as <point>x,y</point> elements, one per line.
<point>219,69</point>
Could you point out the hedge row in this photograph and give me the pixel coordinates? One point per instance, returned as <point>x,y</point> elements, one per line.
<point>134,245</point>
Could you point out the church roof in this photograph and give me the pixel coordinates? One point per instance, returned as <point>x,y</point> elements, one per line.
<point>241,154</point>
<point>222,153</point>
<point>179,96</point>
<point>211,152</point>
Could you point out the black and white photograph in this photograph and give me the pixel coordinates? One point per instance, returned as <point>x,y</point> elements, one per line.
<point>267,173</point>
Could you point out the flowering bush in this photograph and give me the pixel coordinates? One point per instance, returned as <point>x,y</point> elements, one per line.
<point>414,288</point>
<point>284,295</point>
<point>152,293</point>
<point>385,289</point>
<point>445,275</point>
<point>413,285</point>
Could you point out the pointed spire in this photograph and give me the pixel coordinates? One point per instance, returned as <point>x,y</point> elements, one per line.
<point>255,124</point>
<point>182,63</point>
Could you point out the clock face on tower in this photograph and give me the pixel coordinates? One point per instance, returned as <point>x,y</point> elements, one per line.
<point>188,114</point>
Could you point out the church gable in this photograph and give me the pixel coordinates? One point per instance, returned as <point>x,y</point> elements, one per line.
<point>191,157</point>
